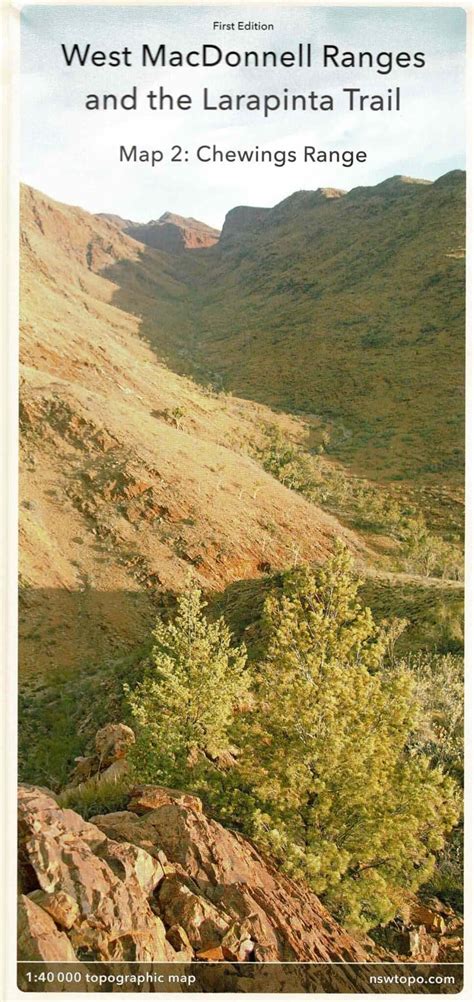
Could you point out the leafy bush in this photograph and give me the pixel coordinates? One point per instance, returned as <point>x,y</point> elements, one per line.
<point>288,464</point>
<point>428,554</point>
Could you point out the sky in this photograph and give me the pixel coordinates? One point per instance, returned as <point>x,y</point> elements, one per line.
<point>72,154</point>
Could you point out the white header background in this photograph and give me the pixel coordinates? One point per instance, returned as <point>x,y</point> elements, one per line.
<point>73,154</point>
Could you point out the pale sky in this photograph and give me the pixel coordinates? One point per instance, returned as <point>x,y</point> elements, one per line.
<point>73,154</point>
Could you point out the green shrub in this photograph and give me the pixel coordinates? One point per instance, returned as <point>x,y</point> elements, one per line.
<point>96,797</point>
<point>338,796</point>
<point>428,554</point>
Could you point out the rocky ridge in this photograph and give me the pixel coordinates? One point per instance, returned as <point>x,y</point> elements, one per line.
<point>171,233</point>
<point>158,881</point>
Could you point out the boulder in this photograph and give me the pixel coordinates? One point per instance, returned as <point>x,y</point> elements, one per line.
<point>113,742</point>
<point>419,945</point>
<point>99,888</point>
<point>38,936</point>
<point>422,914</point>
<point>149,798</point>
<point>108,763</point>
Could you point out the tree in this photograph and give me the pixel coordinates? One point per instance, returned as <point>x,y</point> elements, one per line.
<point>330,784</point>
<point>184,707</point>
<point>428,554</point>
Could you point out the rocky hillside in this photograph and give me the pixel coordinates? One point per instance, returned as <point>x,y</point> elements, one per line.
<point>131,476</point>
<point>160,881</point>
<point>171,233</point>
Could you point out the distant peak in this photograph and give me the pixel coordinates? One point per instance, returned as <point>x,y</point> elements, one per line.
<point>175,233</point>
<point>179,220</point>
<point>452,177</point>
<point>399,180</point>
<point>170,217</point>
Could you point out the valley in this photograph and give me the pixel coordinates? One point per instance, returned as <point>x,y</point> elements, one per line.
<point>218,410</point>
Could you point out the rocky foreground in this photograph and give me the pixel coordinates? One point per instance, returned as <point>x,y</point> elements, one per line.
<point>161,882</point>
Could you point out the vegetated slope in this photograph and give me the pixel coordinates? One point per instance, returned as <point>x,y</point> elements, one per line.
<point>171,233</point>
<point>349,306</point>
<point>132,477</point>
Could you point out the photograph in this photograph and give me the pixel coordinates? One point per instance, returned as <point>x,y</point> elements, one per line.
<point>242,302</point>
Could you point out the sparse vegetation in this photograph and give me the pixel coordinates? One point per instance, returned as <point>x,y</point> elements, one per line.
<point>96,797</point>
<point>363,505</point>
<point>174,416</point>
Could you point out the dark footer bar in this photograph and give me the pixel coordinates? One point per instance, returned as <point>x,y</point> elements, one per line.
<point>365,979</point>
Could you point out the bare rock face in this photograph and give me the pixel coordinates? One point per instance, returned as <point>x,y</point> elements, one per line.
<point>173,233</point>
<point>86,884</point>
<point>161,882</point>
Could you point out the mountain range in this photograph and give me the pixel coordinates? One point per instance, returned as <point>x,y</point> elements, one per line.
<point>221,408</point>
<point>170,232</point>
<point>357,299</point>
<point>150,378</point>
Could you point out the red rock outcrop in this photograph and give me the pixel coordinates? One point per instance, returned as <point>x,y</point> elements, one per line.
<point>162,883</point>
<point>166,884</point>
<point>173,233</point>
